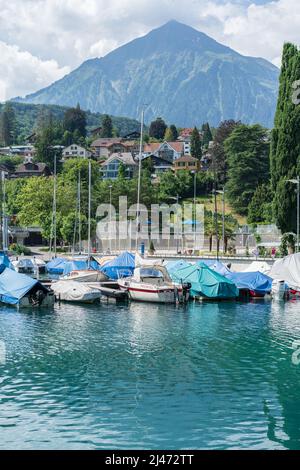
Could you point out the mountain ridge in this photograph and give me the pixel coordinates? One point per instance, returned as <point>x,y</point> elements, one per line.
<point>183,75</point>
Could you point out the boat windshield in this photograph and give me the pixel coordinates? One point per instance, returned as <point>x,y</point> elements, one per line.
<point>151,272</point>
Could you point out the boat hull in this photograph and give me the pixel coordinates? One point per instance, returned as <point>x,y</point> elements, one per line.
<point>149,293</point>
<point>85,276</point>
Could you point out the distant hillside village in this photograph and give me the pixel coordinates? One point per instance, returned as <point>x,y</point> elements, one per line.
<point>111,153</point>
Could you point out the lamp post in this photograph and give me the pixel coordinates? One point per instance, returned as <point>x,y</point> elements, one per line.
<point>223,217</point>
<point>297,182</point>
<point>110,198</point>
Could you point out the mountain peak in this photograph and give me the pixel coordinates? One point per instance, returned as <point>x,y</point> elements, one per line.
<point>186,77</point>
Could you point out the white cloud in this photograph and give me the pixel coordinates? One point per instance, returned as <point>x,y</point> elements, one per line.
<point>62,33</point>
<point>23,73</point>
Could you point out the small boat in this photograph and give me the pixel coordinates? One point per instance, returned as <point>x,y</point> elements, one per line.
<point>23,265</point>
<point>56,266</point>
<point>82,271</point>
<point>73,291</point>
<point>153,284</point>
<point>39,265</point>
<point>258,284</point>
<point>23,291</point>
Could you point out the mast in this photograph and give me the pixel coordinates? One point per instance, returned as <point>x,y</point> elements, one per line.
<point>139,183</point>
<point>54,205</point>
<point>89,216</point>
<point>79,212</point>
<point>4,218</point>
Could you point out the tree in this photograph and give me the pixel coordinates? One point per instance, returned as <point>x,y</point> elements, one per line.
<point>260,207</point>
<point>218,152</point>
<point>247,152</point>
<point>75,120</point>
<point>158,128</point>
<point>44,146</point>
<point>196,146</point>
<point>7,125</point>
<point>171,134</point>
<point>285,141</point>
<point>106,127</point>
<point>207,135</point>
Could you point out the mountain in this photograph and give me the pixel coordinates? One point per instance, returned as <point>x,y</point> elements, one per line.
<point>27,117</point>
<point>182,74</point>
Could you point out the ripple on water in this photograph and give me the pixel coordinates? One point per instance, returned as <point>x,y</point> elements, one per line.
<point>148,376</point>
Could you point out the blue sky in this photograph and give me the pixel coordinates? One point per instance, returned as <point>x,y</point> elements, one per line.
<point>42,40</point>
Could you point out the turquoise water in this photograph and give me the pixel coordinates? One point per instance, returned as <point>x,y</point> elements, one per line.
<point>204,376</point>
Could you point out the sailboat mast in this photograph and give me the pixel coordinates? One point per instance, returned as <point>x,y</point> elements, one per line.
<point>139,183</point>
<point>4,219</point>
<point>54,206</point>
<point>89,215</point>
<point>79,211</point>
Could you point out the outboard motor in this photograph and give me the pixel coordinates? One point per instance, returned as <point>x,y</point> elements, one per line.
<point>37,298</point>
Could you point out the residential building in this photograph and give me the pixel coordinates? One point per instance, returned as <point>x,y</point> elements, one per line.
<point>110,167</point>
<point>169,151</point>
<point>159,165</point>
<point>186,163</point>
<point>30,168</point>
<point>18,150</point>
<point>74,151</point>
<point>102,147</point>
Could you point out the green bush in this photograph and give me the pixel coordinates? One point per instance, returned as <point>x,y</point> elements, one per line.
<point>20,249</point>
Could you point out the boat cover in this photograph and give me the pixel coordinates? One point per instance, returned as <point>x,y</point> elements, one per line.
<point>260,266</point>
<point>14,286</point>
<point>206,282</point>
<point>173,266</point>
<point>121,266</point>
<point>257,282</point>
<point>79,265</point>
<point>288,269</point>
<point>56,266</point>
<point>73,291</point>
<point>216,266</point>
<point>5,262</point>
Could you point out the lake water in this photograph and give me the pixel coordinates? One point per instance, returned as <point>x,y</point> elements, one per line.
<point>204,376</point>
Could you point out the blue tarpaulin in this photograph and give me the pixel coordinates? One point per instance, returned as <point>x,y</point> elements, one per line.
<point>121,266</point>
<point>256,281</point>
<point>56,266</point>
<point>13,286</point>
<point>217,266</point>
<point>206,282</point>
<point>5,262</point>
<point>173,266</point>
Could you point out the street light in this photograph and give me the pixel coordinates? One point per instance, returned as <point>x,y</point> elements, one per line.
<point>297,182</point>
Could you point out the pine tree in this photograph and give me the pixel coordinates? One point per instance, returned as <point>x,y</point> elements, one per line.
<point>247,151</point>
<point>174,131</point>
<point>196,146</point>
<point>75,120</point>
<point>157,128</point>
<point>285,142</point>
<point>168,135</point>
<point>207,135</point>
<point>106,127</point>
<point>7,125</point>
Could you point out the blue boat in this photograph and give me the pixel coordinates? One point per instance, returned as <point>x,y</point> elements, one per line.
<point>121,266</point>
<point>23,291</point>
<point>216,266</point>
<point>257,283</point>
<point>5,261</point>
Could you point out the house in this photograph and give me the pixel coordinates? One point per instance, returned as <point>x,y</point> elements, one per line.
<point>74,151</point>
<point>186,163</point>
<point>30,168</point>
<point>168,151</point>
<point>110,167</point>
<point>136,135</point>
<point>159,165</point>
<point>18,150</point>
<point>102,148</point>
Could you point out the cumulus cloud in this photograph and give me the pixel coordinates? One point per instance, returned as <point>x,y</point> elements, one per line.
<point>22,73</point>
<point>60,34</point>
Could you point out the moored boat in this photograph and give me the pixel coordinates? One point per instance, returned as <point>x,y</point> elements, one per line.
<point>23,291</point>
<point>74,291</point>
<point>153,284</point>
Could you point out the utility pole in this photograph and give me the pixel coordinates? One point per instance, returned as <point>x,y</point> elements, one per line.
<point>139,182</point>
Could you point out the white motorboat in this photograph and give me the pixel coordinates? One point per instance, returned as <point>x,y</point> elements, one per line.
<point>38,264</point>
<point>84,275</point>
<point>73,291</point>
<point>153,284</point>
